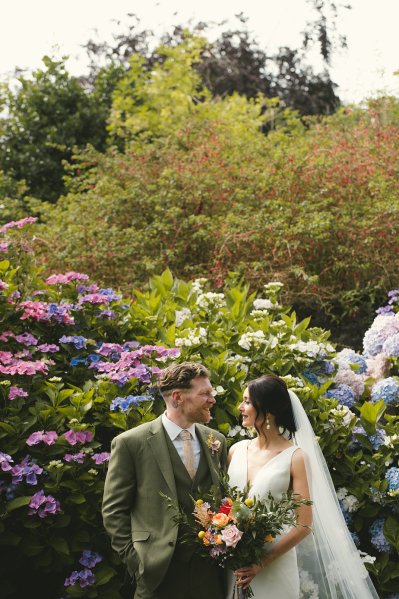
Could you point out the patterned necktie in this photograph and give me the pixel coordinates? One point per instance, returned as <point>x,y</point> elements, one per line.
<point>188,452</point>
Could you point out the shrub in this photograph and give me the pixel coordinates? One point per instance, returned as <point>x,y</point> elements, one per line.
<point>79,365</point>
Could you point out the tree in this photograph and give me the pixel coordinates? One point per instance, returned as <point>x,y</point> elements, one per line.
<point>47,116</point>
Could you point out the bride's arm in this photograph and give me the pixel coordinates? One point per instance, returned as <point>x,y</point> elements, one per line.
<point>295,535</point>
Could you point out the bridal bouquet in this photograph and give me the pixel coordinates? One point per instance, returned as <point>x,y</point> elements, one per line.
<point>233,530</point>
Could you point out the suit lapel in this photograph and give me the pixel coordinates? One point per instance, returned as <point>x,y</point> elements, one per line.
<point>212,460</point>
<point>159,448</point>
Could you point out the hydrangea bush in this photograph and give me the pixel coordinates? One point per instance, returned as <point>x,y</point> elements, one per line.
<point>79,364</point>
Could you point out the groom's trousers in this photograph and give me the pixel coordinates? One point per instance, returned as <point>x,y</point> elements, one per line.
<point>193,579</point>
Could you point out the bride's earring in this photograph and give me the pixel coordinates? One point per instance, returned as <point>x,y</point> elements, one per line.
<point>267,423</point>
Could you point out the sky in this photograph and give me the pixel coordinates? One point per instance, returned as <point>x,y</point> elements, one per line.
<point>30,29</point>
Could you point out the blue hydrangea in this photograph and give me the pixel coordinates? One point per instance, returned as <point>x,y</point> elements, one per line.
<point>343,394</point>
<point>386,389</point>
<point>347,357</point>
<point>311,377</point>
<point>347,515</point>
<point>391,346</point>
<point>376,440</point>
<point>327,367</point>
<point>355,538</point>
<point>90,559</point>
<point>124,403</point>
<point>378,539</point>
<point>392,476</point>
<point>373,342</point>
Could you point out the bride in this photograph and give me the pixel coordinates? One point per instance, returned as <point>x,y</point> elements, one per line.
<point>317,559</point>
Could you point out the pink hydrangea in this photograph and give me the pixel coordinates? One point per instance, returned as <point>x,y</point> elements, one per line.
<point>3,286</point>
<point>48,348</point>
<point>6,335</point>
<point>26,339</point>
<point>27,368</point>
<point>4,246</point>
<point>18,224</point>
<point>64,279</point>
<point>35,310</point>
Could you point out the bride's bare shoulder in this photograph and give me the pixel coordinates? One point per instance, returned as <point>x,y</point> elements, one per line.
<point>233,448</point>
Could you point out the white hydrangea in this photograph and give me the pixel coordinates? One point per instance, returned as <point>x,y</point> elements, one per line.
<point>182,315</point>
<point>273,286</point>
<point>236,430</point>
<point>390,440</point>
<point>194,337</point>
<point>211,300</point>
<point>292,381</point>
<point>344,413</point>
<point>313,349</point>
<point>350,503</point>
<point>198,284</point>
<point>54,464</point>
<point>263,304</point>
<point>219,390</point>
<point>342,492</point>
<point>252,339</point>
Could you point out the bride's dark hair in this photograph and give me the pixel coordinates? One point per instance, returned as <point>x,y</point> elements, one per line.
<point>269,394</point>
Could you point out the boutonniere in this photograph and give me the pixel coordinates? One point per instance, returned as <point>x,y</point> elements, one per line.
<point>213,444</point>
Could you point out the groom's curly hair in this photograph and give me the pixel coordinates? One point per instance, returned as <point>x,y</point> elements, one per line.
<point>179,376</point>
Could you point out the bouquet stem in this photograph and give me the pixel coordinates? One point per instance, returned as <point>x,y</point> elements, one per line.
<point>240,593</point>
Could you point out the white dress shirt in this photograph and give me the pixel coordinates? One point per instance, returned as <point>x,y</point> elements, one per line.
<point>173,430</point>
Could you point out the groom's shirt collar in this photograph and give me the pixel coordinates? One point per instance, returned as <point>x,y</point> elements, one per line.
<point>174,429</point>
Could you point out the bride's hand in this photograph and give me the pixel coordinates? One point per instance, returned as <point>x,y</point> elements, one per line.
<point>246,575</point>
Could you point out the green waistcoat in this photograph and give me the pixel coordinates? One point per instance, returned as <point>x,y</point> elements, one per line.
<point>187,488</point>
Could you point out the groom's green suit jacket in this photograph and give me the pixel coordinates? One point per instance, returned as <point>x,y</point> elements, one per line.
<point>135,516</point>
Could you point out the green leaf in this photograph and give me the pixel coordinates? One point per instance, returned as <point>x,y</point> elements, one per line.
<point>60,545</point>
<point>370,413</point>
<point>18,502</point>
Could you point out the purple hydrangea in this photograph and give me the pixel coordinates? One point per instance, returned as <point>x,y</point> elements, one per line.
<point>5,462</point>
<point>43,506</point>
<point>84,577</point>
<point>90,559</point>
<point>16,392</point>
<point>47,348</point>
<point>386,389</point>
<point>26,339</point>
<point>100,458</point>
<point>26,469</point>
<point>78,341</point>
<point>378,539</point>
<point>343,394</point>
<point>124,403</point>
<point>79,457</point>
<point>392,476</point>
<point>74,437</point>
<point>385,310</point>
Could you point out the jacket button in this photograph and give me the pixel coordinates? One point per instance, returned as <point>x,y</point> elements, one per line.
<point>171,543</point>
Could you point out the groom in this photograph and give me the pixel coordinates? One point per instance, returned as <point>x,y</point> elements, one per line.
<point>162,457</point>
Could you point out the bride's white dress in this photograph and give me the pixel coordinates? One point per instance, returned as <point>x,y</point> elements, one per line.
<point>280,579</point>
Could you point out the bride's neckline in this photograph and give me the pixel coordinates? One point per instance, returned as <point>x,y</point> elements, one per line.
<point>251,483</point>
